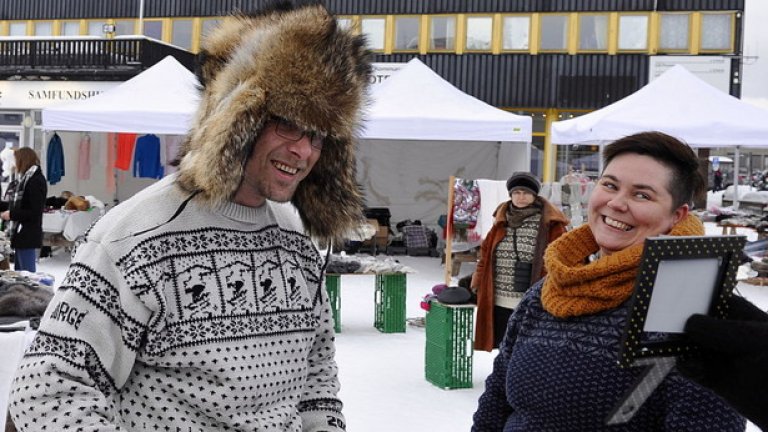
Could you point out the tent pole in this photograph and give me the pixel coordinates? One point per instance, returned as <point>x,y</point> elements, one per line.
<point>449,232</point>
<point>736,158</point>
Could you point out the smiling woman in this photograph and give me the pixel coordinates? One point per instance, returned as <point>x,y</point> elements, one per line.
<point>556,369</point>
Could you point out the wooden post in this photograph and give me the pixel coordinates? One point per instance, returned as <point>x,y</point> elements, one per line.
<point>449,232</point>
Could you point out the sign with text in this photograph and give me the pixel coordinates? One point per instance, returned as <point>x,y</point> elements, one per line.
<point>714,70</point>
<point>41,94</point>
<point>382,71</point>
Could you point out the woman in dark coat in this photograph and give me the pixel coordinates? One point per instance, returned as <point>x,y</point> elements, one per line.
<point>512,255</point>
<point>26,210</point>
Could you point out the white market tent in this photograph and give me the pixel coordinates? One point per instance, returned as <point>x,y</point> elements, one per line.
<point>160,100</point>
<point>420,130</point>
<point>677,103</point>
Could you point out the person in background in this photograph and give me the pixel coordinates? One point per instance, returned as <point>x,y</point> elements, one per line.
<point>199,304</point>
<point>512,256</point>
<point>25,211</point>
<point>557,368</point>
<point>718,180</point>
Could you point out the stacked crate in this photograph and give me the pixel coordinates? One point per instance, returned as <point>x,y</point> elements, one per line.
<point>448,356</point>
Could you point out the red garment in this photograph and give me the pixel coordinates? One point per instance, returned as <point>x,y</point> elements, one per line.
<point>125,144</point>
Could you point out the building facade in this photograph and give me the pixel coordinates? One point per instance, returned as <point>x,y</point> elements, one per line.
<point>550,59</point>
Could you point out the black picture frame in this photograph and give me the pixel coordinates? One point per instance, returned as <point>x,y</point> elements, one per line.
<point>702,269</point>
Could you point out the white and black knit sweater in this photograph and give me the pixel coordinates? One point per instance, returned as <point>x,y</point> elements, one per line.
<point>216,320</point>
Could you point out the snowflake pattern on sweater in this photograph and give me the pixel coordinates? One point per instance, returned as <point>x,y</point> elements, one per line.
<point>216,320</point>
<point>562,375</point>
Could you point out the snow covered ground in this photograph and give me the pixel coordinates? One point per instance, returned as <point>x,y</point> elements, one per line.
<point>382,375</point>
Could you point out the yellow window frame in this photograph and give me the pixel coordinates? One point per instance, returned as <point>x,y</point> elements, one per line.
<point>195,30</point>
<point>419,32</point>
<point>387,20</point>
<point>648,32</point>
<point>661,49</point>
<point>430,20</point>
<point>27,28</point>
<point>532,33</point>
<point>607,32</point>
<point>465,33</point>
<point>732,40</point>
<point>568,32</point>
<point>60,26</point>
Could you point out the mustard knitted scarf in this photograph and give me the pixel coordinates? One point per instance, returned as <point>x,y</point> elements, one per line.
<point>575,287</point>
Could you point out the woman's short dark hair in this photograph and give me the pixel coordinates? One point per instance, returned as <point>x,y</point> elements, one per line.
<point>25,159</point>
<point>686,181</point>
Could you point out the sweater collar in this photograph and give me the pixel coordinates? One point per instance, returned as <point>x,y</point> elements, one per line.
<point>243,213</point>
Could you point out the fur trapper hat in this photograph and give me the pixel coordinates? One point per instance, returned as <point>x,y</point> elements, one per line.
<point>292,62</point>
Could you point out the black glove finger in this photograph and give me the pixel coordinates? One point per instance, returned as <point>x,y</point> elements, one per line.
<point>740,308</point>
<point>729,336</point>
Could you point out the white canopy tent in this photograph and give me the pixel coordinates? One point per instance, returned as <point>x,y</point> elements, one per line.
<point>160,100</point>
<point>679,104</point>
<point>420,130</point>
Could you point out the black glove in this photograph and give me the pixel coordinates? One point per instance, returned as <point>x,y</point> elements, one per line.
<point>733,361</point>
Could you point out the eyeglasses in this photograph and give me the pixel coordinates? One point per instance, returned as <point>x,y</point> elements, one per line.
<point>290,131</point>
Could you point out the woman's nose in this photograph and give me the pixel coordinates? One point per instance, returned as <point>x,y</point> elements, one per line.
<point>618,202</point>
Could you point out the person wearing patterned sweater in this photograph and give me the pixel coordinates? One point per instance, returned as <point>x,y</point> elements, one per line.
<point>199,303</point>
<point>512,256</point>
<point>557,368</point>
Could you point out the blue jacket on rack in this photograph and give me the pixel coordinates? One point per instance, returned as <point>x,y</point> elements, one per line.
<point>146,158</point>
<point>55,160</point>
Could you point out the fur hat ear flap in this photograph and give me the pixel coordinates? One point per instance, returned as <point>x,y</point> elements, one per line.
<point>333,180</point>
<point>218,166</point>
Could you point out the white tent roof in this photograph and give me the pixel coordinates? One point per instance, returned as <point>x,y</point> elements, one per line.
<point>417,104</point>
<point>677,103</point>
<point>160,100</point>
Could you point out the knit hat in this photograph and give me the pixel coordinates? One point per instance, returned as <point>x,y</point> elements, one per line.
<point>524,180</point>
<point>291,62</point>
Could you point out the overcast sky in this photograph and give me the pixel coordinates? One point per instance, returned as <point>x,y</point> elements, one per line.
<point>755,84</point>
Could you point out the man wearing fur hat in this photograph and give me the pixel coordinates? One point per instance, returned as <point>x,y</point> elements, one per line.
<point>198,304</point>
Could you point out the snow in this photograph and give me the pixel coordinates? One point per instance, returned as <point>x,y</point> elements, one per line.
<point>382,375</point>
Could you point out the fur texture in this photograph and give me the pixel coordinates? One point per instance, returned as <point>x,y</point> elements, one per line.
<point>294,63</point>
<point>23,300</point>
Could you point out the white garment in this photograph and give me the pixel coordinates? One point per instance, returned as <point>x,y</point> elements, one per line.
<point>492,193</point>
<point>8,160</point>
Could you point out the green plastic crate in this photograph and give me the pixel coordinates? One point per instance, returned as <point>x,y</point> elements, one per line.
<point>449,350</point>
<point>389,299</point>
<point>333,286</point>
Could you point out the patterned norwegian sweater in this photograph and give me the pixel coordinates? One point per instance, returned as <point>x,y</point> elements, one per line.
<point>561,375</point>
<point>214,320</point>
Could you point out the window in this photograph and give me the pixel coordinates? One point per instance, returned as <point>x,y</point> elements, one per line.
<point>43,28</point>
<point>208,25</point>
<point>633,32</point>
<point>442,33</point>
<point>516,32</point>
<point>153,29</point>
<point>96,28</point>
<point>70,28</point>
<point>17,28</point>
<point>181,34</point>
<point>554,33</point>
<point>373,29</point>
<point>345,23</point>
<point>407,33</point>
<point>125,27</point>
<point>674,30</point>
<point>593,32</point>
<point>716,31</point>
<point>479,33</point>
